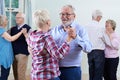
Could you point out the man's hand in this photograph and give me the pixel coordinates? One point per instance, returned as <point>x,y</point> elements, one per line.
<point>72,32</point>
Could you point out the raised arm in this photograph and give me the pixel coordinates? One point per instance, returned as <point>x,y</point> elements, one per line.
<point>112,41</point>
<point>82,39</point>
<point>12,38</point>
<point>54,50</point>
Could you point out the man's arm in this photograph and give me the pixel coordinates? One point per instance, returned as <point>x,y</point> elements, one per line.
<point>82,40</point>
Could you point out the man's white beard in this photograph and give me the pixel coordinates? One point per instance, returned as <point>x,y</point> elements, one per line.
<point>68,23</point>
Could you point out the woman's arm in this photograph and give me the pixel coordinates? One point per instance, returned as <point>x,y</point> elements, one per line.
<point>12,38</point>
<point>54,50</point>
<point>112,41</point>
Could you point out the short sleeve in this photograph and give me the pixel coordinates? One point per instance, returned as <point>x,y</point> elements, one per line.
<point>28,39</point>
<point>2,30</point>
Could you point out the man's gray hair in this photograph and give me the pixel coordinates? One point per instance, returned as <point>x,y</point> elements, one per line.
<point>23,15</point>
<point>96,13</point>
<point>70,6</point>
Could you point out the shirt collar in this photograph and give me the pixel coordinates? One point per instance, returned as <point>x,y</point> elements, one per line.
<point>19,27</point>
<point>95,21</point>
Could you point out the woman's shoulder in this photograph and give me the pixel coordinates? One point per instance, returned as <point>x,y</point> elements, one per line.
<point>2,30</point>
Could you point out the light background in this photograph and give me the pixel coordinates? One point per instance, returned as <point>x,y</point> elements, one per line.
<point>84,8</point>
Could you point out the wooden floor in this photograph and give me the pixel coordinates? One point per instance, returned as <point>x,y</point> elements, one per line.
<point>11,77</point>
<point>84,77</point>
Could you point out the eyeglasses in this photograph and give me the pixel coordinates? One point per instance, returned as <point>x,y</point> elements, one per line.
<point>18,17</point>
<point>66,14</point>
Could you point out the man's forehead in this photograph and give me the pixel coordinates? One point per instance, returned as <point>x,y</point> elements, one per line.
<point>66,9</point>
<point>19,14</point>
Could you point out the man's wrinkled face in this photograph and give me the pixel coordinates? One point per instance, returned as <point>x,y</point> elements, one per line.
<point>67,16</point>
<point>19,19</point>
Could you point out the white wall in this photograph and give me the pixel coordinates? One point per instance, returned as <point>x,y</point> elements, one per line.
<point>84,8</point>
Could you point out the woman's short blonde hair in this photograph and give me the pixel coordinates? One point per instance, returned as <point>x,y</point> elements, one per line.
<point>41,17</point>
<point>112,22</point>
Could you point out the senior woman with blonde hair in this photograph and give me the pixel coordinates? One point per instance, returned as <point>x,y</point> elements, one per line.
<point>45,52</point>
<point>112,43</point>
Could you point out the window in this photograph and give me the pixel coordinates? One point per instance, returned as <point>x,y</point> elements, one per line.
<point>11,9</point>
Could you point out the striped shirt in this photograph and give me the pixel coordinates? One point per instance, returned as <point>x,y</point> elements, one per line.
<point>45,55</point>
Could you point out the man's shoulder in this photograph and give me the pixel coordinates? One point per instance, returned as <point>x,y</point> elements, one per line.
<point>13,27</point>
<point>26,25</point>
<point>76,24</point>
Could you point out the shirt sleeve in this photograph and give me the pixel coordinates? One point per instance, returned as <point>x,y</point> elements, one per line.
<point>113,43</point>
<point>53,49</point>
<point>83,41</point>
<point>28,40</point>
<point>106,39</point>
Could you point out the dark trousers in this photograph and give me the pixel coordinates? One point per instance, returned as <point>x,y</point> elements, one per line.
<point>4,73</point>
<point>70,73</point>
<point>57,78</point>
<point>96,59</point>
<point>110,69</point>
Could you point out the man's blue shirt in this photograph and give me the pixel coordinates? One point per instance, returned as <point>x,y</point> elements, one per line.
<point>81,42</point>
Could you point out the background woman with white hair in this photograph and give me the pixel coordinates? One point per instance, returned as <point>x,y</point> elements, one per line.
<point>45,53</point>
<point>112,43</point>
